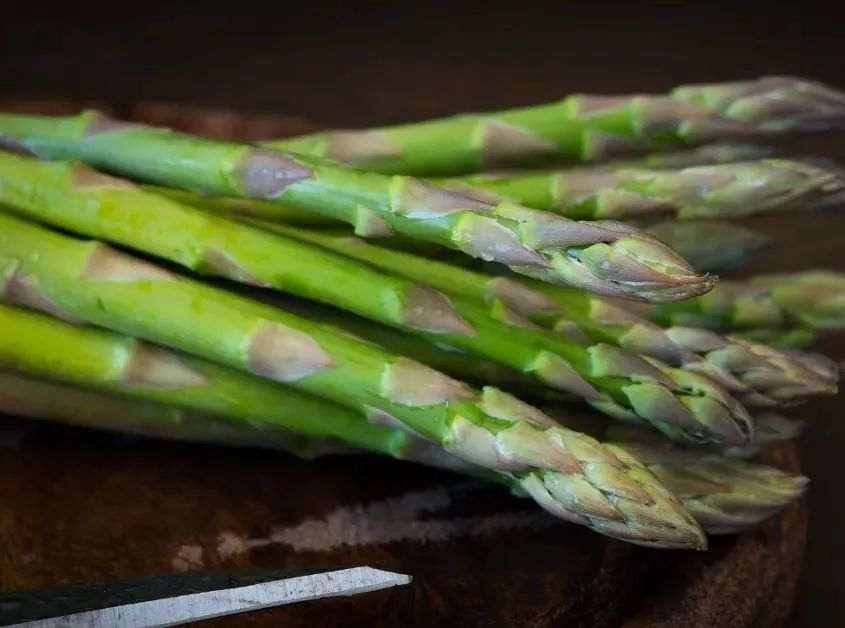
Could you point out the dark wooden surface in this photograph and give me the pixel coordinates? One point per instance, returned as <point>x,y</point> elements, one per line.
<point>76,506</point>
<point>372,62</point>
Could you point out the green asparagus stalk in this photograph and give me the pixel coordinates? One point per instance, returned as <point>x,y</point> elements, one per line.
<point>88,281</point>
<point>703,155</point>
<point>604,256</point>
<point>247,208</point>
<point>727,496</point>
<point>728,190</point>
<point>722,153</point>
<point>44,400</point>
<point>583,127</point>
<point>442,357</point>
<point>812,299</point>
<point>759,375</point>
<point>797,338</point>
<point>676,403</point>
<point>711,246</point>
<point>568,473</point>
<point>30,343</point>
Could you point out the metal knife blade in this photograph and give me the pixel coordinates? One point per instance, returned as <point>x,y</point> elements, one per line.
<point>174,599</point>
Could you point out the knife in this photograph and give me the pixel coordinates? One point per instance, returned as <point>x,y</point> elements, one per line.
<point>174,599</point>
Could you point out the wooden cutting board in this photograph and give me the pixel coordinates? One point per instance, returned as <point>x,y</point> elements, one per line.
<point>81,506</point>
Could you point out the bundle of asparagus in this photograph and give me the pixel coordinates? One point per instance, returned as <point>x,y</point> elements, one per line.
<point>314,342</point>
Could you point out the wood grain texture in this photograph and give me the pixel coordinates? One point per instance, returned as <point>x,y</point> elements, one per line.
<point>82,506</point>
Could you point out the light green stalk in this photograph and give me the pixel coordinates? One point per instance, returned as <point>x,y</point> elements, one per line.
<point>570,474</point>
<point>608,257</point>
<point>727,496</point>
<point>88,281</point>
<point>44,347</point>
<point>246,208</point>
<point>44,400</point>
<point>757,374</point>
<point>583,127</point>
<point>711,246</point>
<point>812,299</point>
<point>613,381</point>
<point>729,190</point>
<point>445,358</point>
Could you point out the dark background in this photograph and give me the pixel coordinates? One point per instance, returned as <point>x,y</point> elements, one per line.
<point>371,62</point>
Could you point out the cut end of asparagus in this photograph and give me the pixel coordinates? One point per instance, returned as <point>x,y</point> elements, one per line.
<point>772,104</point>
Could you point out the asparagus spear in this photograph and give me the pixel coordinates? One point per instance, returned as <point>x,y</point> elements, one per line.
<point>702,155</point>
<point>728,190</point>
<point>40,399</point>
<point>603,256</point>
<point>722,153</point>
<point>711,246</point>
<point>758,374</point>
<point>613,381</point>
<point>583,127</point>
<point>246,208</point>
<point>797,338</point>
<point>772,429</point>
<point>88,281</point>
<point>440,356</point>
<point>727,496</point>
<point>812,299</point>
<point>570,474</point>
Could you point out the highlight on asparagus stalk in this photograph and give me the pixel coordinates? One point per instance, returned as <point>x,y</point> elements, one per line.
<point>602,256</point>
<point>676,403</point>
<point>583,127</point>
<point>722,493</point>
<point>757,374</point>
<point>728,190</point>
<point>711,246</point>
<point>813,299</point>
<point>568,473</point>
